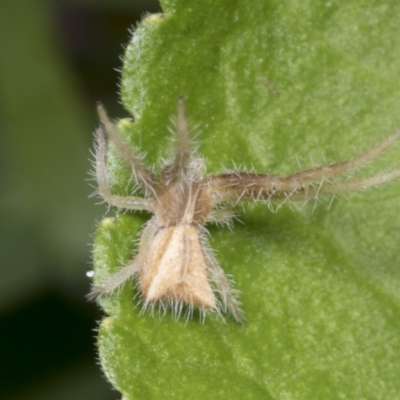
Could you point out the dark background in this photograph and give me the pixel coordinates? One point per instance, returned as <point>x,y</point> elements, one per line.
<point>58,57</point>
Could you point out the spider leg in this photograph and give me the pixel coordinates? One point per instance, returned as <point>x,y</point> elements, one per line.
<point>117,280</point>
<point>178,169</point>
<point>342,167</point>
<point>221,216</point>
<point>312,191</point>
<point>242,186</point>
<point>217,275</point>
<point>133,268</point>
<point>352,185</point>
<point>126,202</point>
<point>142,175</point>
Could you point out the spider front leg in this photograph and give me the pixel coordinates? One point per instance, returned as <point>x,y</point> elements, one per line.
<point>178,169</point>
<point>143,176</point>
<point>124,202</point>
<point>352,185</point>
<point>243,186</point>
<point>342,167</point>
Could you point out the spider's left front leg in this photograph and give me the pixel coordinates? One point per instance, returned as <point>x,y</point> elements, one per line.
<point>142,175</point>
<point>123,202</point>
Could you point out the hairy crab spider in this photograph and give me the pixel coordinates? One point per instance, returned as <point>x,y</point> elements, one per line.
<point>174,265</point>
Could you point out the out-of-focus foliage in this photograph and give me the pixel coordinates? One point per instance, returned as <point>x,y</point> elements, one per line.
<point>53,67</point>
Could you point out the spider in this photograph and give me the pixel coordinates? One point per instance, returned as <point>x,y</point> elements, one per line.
<point>174,265</point>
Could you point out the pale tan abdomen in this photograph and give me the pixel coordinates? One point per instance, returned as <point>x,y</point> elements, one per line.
<point>175,269</point>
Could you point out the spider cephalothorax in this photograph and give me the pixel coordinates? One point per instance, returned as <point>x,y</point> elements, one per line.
<point>174,265</point>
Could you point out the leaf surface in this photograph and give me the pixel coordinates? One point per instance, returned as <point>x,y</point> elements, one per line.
<point>273,85</point>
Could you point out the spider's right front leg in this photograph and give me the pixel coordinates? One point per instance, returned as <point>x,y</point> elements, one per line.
<point>343,167</point>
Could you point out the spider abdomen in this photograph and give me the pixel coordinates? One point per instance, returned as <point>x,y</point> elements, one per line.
<point>175,269</point>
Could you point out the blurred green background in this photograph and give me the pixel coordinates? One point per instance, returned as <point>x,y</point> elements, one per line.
<point>58,57</point>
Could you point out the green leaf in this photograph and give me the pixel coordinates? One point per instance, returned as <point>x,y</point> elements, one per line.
<point>273,85</point>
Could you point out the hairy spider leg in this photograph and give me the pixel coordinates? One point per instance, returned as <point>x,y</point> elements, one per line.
<point>222,285</point>
<point>126,202</point>
<point>178,170</point>
<point>133,268</point>
<point>246,186</point>
<point>351,185</point>
<point>343,167</point>
<point>142,175</point>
